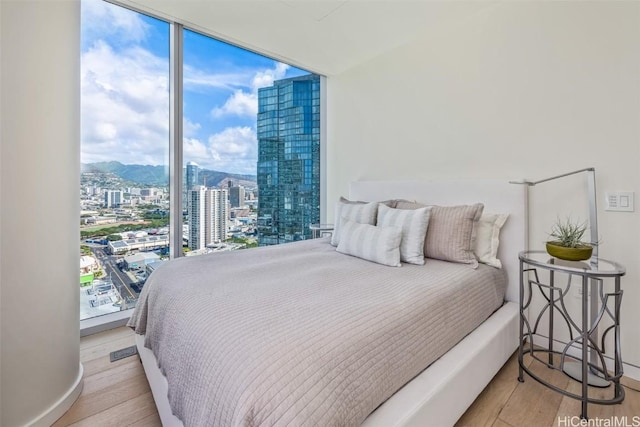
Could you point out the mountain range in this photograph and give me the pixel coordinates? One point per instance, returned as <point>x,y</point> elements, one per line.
<point>158,176</point>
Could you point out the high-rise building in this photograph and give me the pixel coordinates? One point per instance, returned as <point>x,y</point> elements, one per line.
<point>191,176</point>
<point>288,131</point>
<point>113,198</point>
<point>208,216</point>
<point>236,196</point>
<point>195,202</point>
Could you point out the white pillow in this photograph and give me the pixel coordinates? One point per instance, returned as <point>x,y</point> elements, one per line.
<point>414,225</point>
<point>377,244</point>
<point>487,238</point>
<point>363,213</point>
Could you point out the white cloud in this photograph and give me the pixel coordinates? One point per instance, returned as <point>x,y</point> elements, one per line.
<point>195,79</point>
<point>195,150</point>
<point>105,19</point>
<point>267,77</point>
<point>245,104</point>
<point>125,115</point>
<point>125,98</point>
<point>189,128</point>
<point>239,104</point>
<point>125,105</point>
<point>234,149</point>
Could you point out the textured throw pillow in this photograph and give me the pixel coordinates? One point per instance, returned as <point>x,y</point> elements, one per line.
<point>362,212</point>
<point>450,232</point>
<point>377,244</point>
<point>408,205</point>
<point>487,238</point>
<point>414,225</point>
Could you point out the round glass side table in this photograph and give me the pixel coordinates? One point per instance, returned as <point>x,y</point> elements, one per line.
<point>549,290</point>
<point>320,230</point>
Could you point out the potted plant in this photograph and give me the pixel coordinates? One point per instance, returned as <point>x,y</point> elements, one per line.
<point>567,241</point>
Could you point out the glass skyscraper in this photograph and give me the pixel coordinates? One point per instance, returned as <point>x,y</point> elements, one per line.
<point>191,176</point>
<point>190,181</point>
<point>288,159</point>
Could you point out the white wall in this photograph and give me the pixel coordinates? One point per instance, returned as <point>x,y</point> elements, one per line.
<point>39,193</point>
<point>520,90</point>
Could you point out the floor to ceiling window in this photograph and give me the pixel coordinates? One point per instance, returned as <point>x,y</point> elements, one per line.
<point>250,151</point>
<point>124,154</point>
<point>249,146</point>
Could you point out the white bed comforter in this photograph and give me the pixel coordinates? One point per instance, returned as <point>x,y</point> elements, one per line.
<point>300,335</point>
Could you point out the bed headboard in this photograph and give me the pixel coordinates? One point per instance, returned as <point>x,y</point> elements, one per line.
<point>497,196</point>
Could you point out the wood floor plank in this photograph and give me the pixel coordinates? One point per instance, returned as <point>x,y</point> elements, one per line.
<point>104,337</point>
<point>105,348</point>
<point>490,402</point>
<point>500,423</point>
<point>631,404</point>
<point>93,403</point>
<point>630,383</point>
<point>118,394</point>
<point>126,414</point>
<point>103,363</point>
<point>152,420</point>
<point>533,404</point>
<point>108,378</point>
<point>572,407</point>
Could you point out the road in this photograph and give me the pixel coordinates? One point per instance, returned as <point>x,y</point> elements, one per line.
<point>119,278</point>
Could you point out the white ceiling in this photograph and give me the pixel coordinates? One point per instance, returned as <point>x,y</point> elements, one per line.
<point>326,37</point>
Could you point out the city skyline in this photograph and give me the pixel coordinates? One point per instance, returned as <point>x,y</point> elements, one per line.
<point>124,89</point>
<point>125,119</point>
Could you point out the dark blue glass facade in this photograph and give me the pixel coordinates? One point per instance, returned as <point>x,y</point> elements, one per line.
<point>288,131</point>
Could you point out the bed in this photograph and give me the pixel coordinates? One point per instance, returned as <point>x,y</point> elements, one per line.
<point>313,357</point>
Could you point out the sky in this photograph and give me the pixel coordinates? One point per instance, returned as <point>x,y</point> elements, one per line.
<point>125,93</point>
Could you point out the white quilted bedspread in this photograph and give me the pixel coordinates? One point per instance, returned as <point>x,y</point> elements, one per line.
<point>300,335</point>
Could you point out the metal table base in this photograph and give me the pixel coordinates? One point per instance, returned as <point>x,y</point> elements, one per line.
<point>583,356</point>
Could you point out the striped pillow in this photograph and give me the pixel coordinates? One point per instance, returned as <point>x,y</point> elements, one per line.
<point>414,225</point>
<point>363,213</point>
<point>377,244</point>
<point>450,234</point>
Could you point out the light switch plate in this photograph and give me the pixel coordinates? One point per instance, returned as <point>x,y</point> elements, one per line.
<point>619,201</point>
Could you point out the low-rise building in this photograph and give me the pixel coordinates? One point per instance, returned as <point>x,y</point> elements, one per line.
<point>88,267</point>
<point>149,243</point>
<point>140,260</point>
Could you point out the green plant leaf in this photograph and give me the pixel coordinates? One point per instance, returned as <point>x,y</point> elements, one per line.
<point>568,233</point>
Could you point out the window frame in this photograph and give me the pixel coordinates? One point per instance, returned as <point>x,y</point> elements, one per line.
<point>176,143</point>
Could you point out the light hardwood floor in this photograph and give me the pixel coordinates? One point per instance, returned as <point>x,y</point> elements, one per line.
<point>117,394</point>
<point>114,394</point>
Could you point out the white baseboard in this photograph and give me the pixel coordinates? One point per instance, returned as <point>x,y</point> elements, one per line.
<point>55,411</point>
<point>630,371</point>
